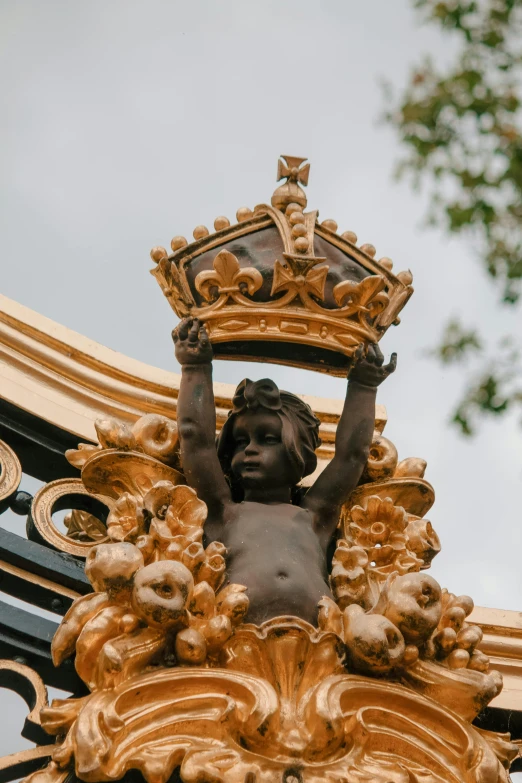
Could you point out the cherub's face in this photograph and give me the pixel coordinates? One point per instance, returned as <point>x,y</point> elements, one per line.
<point>260,456</point>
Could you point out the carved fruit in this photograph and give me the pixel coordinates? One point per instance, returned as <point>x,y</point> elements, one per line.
<point>162,592</point>
<point>382,460</point>
<point>411,467</point>
<point>374,644</point>
<point>158,437</point>
<point>469,637</point>
<point>114,434</point>
<point>191,647</point>
<point>203,600</point>
<point>413,604</point>
<point>458,659</point>
<point>217,631</point>
<point>234,605</point>
<point>111,567</point>
<point>423,540</point>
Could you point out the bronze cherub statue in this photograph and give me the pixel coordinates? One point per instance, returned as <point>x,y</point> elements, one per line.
<point>276,543</point>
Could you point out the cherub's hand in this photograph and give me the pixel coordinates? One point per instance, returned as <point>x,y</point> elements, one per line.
<point>370,370</point>
<point>191,342</point>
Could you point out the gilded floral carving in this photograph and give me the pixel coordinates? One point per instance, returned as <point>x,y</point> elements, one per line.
<point>178,679</point>
<point>274,700</point>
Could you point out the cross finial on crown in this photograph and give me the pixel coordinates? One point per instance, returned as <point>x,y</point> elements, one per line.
<point>294,172</point>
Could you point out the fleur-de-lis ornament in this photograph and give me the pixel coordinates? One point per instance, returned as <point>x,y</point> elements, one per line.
<point>227,278</point>
<point>367,296</point>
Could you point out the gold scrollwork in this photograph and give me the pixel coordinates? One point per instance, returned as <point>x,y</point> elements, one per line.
<point>10,471</point>
<point>17,765</point>
<point>279,701</point>
<point>44,503</point>
<point>29,685</point>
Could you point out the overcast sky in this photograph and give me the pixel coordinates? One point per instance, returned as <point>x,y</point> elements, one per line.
<point>126,123</point>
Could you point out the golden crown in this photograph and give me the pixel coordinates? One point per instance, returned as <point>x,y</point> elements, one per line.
<point>279,286</point>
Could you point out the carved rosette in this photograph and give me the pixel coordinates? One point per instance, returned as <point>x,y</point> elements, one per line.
<point>383,690</point>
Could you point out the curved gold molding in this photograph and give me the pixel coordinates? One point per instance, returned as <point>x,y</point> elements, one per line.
<point>10,471</point>
<point>70,381</point>
<point>36,692</point>
<point>42,510</point>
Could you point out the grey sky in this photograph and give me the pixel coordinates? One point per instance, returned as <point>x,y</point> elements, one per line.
<point>126,123</point>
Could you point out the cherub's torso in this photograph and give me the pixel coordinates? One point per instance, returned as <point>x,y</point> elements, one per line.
<point>275,552</point>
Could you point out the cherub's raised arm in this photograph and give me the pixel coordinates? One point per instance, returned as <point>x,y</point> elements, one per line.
<point>196,416</point>
<point>353,438</point>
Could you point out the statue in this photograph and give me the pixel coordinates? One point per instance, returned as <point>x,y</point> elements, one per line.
<point>276,548</point>
<point>244,627</point>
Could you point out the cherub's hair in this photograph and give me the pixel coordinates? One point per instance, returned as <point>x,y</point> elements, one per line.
<point>300,426</point>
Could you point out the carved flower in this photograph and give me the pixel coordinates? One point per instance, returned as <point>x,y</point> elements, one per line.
<point>423,540</point>
<point>126,519</point>
<point>177,520</point>
<point>348,578</point>
<point>379,528</point>
<point>158,499</point>
<point>186,510</point>
<point>354,559</point>
<point>407,561</point>
<point>179,506</point>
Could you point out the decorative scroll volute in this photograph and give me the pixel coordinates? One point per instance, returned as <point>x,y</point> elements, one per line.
<point>281,703</point>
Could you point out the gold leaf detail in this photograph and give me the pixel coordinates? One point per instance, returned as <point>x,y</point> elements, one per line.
<point>316,279</point>
<point>227,276</point>
<point>347,339</point>
<point>78,457</point>
<point>282,280</point>
<point>82,526</point>
<point>114,434</point>
<point>296,327</point>
<point>368,293</point>
<point>234,325</point>
<point>313,282</point>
